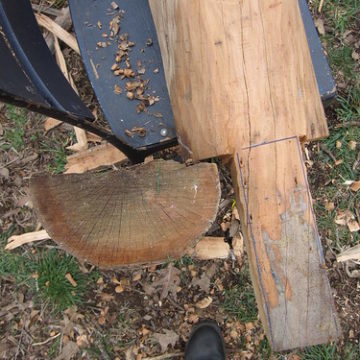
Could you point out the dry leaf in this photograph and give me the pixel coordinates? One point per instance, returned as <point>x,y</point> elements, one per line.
<point>204,303</point>
<point>355,186</point>
<point>169,281</point>
<point>329,206</point>
<point>343,217</point>
<point>339,162</point>
<point>352,145</point>
<point>4,172</point>
<point>355,55</point>
<point>169,338</point>
<point>119,289</point>
<point>353,225</point>
<point>352,253</point>
<point>137,276</point>
<point>82,341</point>
<point>319,23</point>
<point>101,320</point>
<point>205,279</point>
<point>68,351</point>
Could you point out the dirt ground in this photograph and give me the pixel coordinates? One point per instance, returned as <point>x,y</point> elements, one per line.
<point>135,314</point>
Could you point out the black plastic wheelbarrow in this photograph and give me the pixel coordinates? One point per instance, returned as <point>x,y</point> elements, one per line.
<point>135,102</point>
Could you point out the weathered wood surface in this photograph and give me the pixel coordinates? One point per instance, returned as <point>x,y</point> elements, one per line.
<point>286,260</point>
<point>135,216</point>
<point>238,73</point>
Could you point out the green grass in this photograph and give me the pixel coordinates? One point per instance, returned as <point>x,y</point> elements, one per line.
<point>12,265</point>
<point>50,285</point>
<point>54,349</point>
<point>340,14</point>
<point>14,136</point>
<point>331,352</point>
<point>239,300</point>
<point>58,154</point>
<point>53,286</point>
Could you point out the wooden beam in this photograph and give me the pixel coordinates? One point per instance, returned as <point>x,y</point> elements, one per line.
<point>286,261</point>
<point>238,73</point>
<point>126,217</point>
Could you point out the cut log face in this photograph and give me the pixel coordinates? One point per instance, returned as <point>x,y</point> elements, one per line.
<point>142,215</point>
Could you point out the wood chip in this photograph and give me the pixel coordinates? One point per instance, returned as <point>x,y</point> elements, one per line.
<point>18,240</point>
<point>355,186</point>
<point>71,280</point>
<point>119,289</point>
<point>114,5</point>
<point>204,303</point>
<point>58,31</point>
<point>51,123</point>
<point>102,155</point>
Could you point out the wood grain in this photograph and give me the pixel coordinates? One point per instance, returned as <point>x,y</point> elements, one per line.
<point>286,260</point>
<point>238,73</point>
<point>127,217</point>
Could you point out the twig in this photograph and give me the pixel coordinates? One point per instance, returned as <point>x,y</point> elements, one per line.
<point>19,343</point>
<point>47,10</point>
<point>165,356</point>
<point>347,124</point>
<point>48,340</point>
<point>321,6</point>
<point>327,152</point>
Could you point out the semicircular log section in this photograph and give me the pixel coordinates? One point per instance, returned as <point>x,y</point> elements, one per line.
<point>141,215</point>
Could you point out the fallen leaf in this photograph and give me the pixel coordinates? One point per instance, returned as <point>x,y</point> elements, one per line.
<point>68,351</point>
<point>137,276</point>
<point>343,217</point>
<point>353,225</point>
<point>193,319</point>
<point>204,303</point>
<point>168,282</point>
<point>119,289</point>
<point>329,206</point>
<point>355,186</point>
<point>339,162</point>
<point>319,23</point>
<point>205,279</point>
<point>82,341</point>
<point>355,55</point>
<point>4,172</point>
<point>169,338</point>
<point>101,320</point>
<point>352,145</point>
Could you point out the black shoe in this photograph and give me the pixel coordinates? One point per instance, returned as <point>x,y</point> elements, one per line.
<point>205,343</point>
